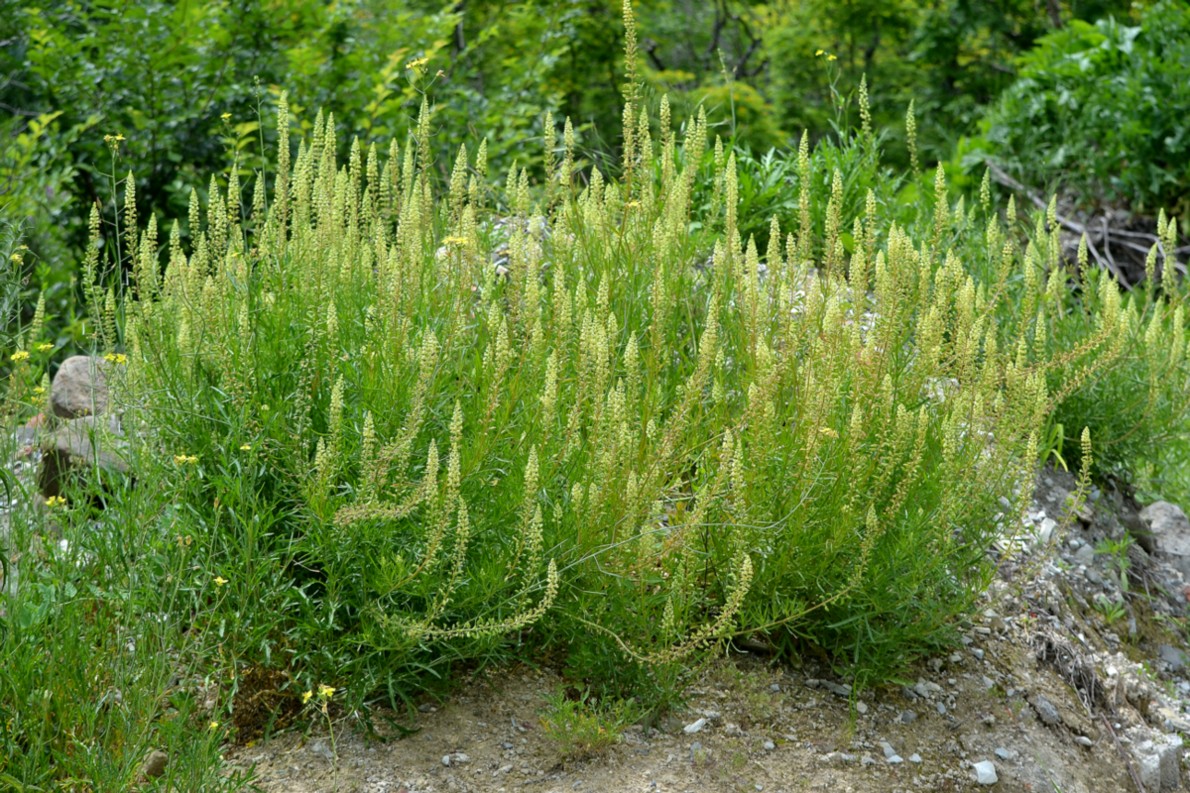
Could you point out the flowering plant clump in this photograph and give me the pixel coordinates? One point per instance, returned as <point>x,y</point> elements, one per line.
<point>598,418</point>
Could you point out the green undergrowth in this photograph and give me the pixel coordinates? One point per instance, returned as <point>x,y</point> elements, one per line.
<point>387,430</point>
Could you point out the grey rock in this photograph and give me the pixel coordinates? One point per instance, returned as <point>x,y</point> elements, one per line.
<point>694,726</point>
<point>1007,755</point>
<point>889,751</point>
<point>320,749</point>
<point>1175,657</point>
<point>907,717</point>
<point>80,387</point>
<point>155,763</point>
<point>985,772</point>
<point>1159,764</point>
<point>1046,710</point>
<point>1084,555</point>
<point>861,708</point>
<point>769,746</point>
<point>1169,534</point>
<point>81,445</point>
<point>915,758</point>
<point>1083,740</point>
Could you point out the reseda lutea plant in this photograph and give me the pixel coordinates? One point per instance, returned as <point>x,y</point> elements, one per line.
<point>655,453</point>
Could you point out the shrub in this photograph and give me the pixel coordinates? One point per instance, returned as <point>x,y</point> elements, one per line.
<point>409,456</point>
<point>1099,110</point>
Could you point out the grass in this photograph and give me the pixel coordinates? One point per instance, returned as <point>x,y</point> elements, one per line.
<point>367,458</point>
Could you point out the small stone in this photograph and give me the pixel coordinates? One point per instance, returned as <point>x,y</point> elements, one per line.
<point>694,726</point>
<point>977,652</point>
<point>1007,755</point>
<point>907,717</point>
<point>320,749</point>
<point>915,758</point>
<point>1175,657</point>
<point>155,763</point>
<point>941,708</point>
<point>867,759</point>
<point>504,769</point>
<point>775,688</point>
<point>1046,711</point>
<point>1083,740</point>
<point>461,758</point>
<point>985,772</point>
<point>769,746</point>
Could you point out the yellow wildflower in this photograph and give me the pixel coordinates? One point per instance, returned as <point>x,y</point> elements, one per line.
<point>819,53</point>
<point>832,57</point>
<point>247,447</point>
<point>16,258</point>
<point>213,726</point>
<point>184,459</point>
<point>116,357</point>
<point>307,696</point>
<point>38,390</point>
<point>55,501</point>
<point>325,691</point>
<point>45,346</point>
<point>455,241</point>
<point>20,355</point>
<point>220,580</point>
<point>226,116</point>
<point>417,63</point>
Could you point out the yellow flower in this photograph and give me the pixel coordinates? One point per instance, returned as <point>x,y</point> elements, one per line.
<point>325,691</point>
<point>116,357</point>
<point>226,116</point>
<point>828,431</point>
<point>455,241</point>
<point>20,355</point>
<point>417,63</point>
<point>55,501</point>
<point>45,346</point>
<point>38,390</point>
<point>220,580</point>
<point>16,258</point>
<point>832,57</point>
<point>307,697</point>
<point>819,53</point>
<point>247,447</point>
<point>213,726</point>
<point>184,459</point>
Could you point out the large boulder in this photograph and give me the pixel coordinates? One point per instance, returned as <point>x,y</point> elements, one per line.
<point>1168,532</point>
<point>80,387</point>
<point>82,447</point>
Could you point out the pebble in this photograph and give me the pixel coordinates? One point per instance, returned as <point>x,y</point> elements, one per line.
<point>1006,754</point>
<point>867,759</point>
<point>1083,740</point>
<point>694,726</point>
<point>985,772</point>
<point>456,758</point>
<point>915,758</point>
<point>320,749</point>
<point>769,746</point>
<point>907,717</point>
<point>889,752</point>
<point>861,708</point>
<point>155,763</point>
<point>1045,710</point>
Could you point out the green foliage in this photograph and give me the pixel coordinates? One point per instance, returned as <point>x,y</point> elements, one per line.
<point>582,726</point>
<point>1099,110</point>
